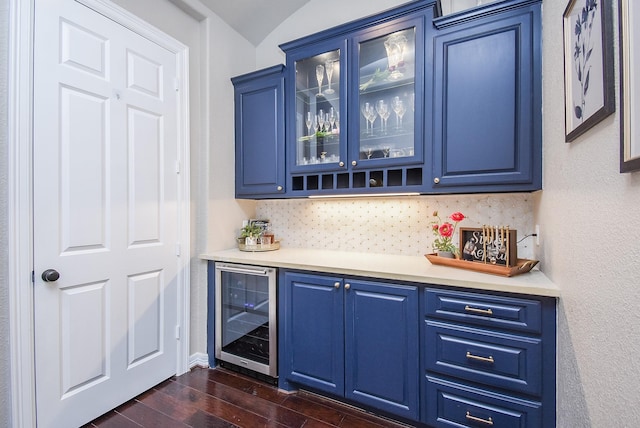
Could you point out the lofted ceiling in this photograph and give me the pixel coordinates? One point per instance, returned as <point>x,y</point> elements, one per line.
<point>254,19</point>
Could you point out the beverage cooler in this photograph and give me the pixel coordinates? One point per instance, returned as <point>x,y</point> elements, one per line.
<point>246,330</point>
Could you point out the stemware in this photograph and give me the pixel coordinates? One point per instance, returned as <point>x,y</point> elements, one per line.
<point>372,115</point>
<point>329,68</point>
<point>309,122</point>
<point>385,151</point>
<point>383,111</point>
<point>320,77</point>
<point>332,119</point>
<point>365,112</point>
<point>399,108</point>
<point>321,119</point>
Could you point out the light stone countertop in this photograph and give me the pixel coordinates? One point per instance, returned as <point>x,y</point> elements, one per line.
<point>403,268</point>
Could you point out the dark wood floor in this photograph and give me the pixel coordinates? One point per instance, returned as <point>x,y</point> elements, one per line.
<point>222,398</point>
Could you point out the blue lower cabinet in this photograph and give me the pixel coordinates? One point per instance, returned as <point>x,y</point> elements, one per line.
<point>351,338</point>
<point>450,404</point>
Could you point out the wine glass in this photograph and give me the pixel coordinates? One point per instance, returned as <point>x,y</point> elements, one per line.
<point>320,77</point>
<point>332,118</point>
<point>385,151</point>
<point>372,115</point>
<point>382,108</point>
<point>399,108</point>
<point>321,119</point>
<point>309,122</point>
<point>365,112</point>
<point>329,67</point>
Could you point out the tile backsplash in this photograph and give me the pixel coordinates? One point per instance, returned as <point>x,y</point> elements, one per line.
<point>391,225</point>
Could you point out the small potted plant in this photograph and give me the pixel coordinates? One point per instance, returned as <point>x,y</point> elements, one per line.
<point>250,233</point>
<point>443,245</point>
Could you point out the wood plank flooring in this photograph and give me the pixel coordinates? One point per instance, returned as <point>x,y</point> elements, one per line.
<point>221,398</point>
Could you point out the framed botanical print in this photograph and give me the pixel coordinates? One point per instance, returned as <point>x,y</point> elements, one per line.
<point>629,13</point>
<point>588,65</point>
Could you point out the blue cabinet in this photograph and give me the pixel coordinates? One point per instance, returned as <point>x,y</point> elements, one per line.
<point>259,133</point>
<point>357,99</point>
<point>351,338</point>
<point>488,359</point>
<point>487,117</point>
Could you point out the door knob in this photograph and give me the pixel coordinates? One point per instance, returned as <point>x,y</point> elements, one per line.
<point>50,275</point>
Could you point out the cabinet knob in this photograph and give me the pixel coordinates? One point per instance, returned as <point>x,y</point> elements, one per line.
<point>341,164</point>
<point>347,286</point>
<point>336,284</point>
<point>354,163</point>
<point>436,180</point>
<point>279,188</point>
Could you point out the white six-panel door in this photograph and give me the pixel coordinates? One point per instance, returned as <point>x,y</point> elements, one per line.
<point>105,213</point>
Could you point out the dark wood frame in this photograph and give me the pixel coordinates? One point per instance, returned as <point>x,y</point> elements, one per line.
<point>606,88</point>
<point>627,72</point>
<point>466,234</point>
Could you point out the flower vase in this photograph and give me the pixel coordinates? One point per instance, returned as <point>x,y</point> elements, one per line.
<point>445,254</point>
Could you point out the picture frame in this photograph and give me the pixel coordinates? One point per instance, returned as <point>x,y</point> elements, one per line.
<point>629,86</point>
<point>589,79</point>
<point>473,248</point>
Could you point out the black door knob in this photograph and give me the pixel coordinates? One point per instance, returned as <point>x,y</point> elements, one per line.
<point>50,275</point>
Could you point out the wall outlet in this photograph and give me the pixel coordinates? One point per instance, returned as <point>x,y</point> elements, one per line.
<point>537,232</point>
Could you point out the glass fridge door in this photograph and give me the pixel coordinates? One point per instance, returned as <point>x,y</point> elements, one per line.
<point>245,316</point>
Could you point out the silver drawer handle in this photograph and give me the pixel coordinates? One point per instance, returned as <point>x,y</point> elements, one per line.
<point>483,421</point>
<point>478,311</point>
<point>483,359</point>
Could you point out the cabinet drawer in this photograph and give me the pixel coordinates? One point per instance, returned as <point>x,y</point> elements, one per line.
<point>500,360</point>
<point>449,404</point>
<point>484,309</point>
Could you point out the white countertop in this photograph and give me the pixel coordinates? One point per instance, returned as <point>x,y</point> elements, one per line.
<point>403,268</point>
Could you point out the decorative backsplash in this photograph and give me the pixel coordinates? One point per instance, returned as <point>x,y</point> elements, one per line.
<point>391,225</point>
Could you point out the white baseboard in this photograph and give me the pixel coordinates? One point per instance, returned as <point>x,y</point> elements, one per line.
<point>199,359</point>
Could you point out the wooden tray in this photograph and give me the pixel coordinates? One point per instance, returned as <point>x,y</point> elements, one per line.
<point>523,265</point>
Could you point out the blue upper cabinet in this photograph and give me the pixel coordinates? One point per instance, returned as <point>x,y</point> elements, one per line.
<point>405,101</point>
<point>487,116</point>
<point>259,133</point>
<point>356,105</point>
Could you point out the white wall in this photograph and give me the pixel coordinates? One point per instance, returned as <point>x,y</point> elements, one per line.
<point>5,357</point>
<point>589,220</point>
<point>590,230</point>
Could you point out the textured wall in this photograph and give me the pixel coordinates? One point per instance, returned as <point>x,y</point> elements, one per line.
<point>589,220</point>
<point>5,357</point>
<point>391,225</point>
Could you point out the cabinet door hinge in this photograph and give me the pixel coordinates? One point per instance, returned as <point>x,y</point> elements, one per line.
<point>176,84</point>
<point>177,332</point>
<point>177,167</point>
<point>178,249</point>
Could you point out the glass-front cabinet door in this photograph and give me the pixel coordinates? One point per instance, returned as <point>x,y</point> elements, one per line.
<point>389,70</point>
<point>319,100</point>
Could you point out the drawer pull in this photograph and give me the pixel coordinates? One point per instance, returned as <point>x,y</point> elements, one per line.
<point>475,419</point>
<point>478,311</point>
<point>483,359</point>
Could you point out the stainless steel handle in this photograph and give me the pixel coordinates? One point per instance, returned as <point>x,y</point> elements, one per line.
<point>488,359</point>
<point>482,421</point>
<point>354,163</point>
<point>279,188</point>
<point>247,271</point>
<point>436,180</point>
<point>336,284</point>
<point>341,164</point>
<point>347,286</point>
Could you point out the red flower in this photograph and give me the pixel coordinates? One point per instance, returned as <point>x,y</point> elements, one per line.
<point>435,227</point>
<point>446,230</point>
<point>457,216</point>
